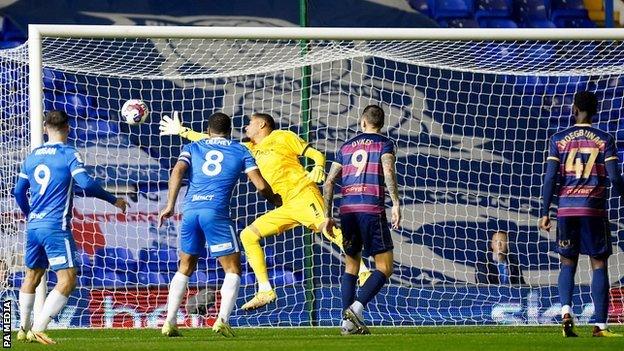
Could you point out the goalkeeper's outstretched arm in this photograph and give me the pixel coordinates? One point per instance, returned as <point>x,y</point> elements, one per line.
<point>173,126</point>
<point>317,174</point>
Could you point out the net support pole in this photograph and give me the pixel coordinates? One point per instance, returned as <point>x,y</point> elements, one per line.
<point>305,134</point>
<point>35,98</point>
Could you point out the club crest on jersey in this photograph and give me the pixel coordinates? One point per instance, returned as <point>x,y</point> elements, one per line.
<point>565,244</point>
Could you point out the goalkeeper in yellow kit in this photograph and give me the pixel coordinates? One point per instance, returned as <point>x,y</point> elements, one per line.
<point>277,156</point>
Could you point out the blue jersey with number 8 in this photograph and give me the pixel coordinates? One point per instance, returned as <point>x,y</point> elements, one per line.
<point>215,167</point>
<point>49,170</point>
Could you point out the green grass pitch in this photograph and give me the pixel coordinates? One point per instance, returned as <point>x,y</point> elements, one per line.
<point>325,339</point>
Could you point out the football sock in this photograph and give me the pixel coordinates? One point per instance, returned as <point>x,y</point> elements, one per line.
<point>566,309</point>
<point>26,302</point>
<point>358,308</point>
<point>566,284</point>
<point>600,294</point>
<point>177,289</point>
<point>372,286</point>
<point>347,288</point>
<point>53,304</point>
<point>255,257</point>
<point>229,293</point>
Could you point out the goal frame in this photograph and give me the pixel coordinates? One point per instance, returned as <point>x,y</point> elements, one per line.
<point>37,31</point>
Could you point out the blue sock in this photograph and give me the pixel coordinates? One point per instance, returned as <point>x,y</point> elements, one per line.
<point>600,294</point>
<point>373,284</point>
<point>347,288</point>
<point>566,284</point>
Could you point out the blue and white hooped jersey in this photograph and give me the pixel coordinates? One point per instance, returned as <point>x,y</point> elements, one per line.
<point>49,170</point>
<point>215,167</point>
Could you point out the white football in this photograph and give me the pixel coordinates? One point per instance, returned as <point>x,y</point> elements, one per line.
<point>134,111</point>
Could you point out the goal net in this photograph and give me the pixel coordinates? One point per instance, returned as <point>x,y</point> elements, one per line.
<point>470,120</point>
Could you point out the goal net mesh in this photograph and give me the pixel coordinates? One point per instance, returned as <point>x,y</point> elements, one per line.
<point>470,120</point>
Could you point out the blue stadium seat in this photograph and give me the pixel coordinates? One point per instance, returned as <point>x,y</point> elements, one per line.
<point>158,260</point>
<point>450,9</point>
<point>492,9</point>
<point>115,259</point>
<point>572,22</point>
<point>567,8</point>
<point>533,14</point>
<point>497,23</point>
<point>421,6</point>
<point>459,23</point>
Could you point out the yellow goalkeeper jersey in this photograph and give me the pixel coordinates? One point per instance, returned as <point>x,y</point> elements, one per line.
<point>277,157</point>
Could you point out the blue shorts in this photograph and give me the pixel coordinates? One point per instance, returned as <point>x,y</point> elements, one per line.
<point>365,233</point>
<point>53,247</point>
<point>201,226</point>
<point>587,235</point>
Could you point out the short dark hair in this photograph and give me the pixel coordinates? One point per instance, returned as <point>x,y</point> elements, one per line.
<point>586,101</point>
<point>374,115</point>
<point>220,123</point>
<point>56,119</point>
<point>267,118</point>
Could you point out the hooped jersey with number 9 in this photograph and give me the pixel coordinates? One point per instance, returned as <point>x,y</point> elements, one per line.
<point>582,152</point>
<point>215,167</point>
<point>363,189</point>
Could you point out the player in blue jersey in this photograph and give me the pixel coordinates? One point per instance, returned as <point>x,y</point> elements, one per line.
<point>582,159</point>
<point>50,172</point>
<point>366,162</point>
<point>214,166</point>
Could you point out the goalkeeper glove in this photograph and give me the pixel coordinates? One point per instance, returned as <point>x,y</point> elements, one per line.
<point>172,126</point>
<point>317,174</point>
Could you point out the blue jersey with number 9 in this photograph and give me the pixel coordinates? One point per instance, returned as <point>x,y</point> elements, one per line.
<point>215,167</point>
<point>49,170</point>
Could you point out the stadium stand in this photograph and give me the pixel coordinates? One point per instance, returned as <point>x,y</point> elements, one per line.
<point>513,14</point>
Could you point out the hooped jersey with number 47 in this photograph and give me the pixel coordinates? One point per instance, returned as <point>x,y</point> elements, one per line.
<point>582,152</point>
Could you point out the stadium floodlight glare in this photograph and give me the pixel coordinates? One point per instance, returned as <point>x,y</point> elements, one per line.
<point>470,109</point>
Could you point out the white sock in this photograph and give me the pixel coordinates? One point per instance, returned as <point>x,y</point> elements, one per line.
<point>53,305</point>
<point>602,326</point>
<point>266,286</point>
<point>229,293</point>
<point>177,289</point>
<point>347,325</point>
<point>358,308</point>
<point>363,267</point>
<point>26,303</point>
<point>566,309</point>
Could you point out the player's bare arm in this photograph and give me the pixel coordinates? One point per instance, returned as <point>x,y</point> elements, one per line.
<point>264,188</point>
<point>335,172</point>
<point>175,183</point>
<point>388,164</point>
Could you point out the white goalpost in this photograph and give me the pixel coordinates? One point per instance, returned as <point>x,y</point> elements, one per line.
<point>470,110</point>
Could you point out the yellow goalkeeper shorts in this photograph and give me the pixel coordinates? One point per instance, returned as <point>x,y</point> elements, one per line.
<point>305,209</point>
